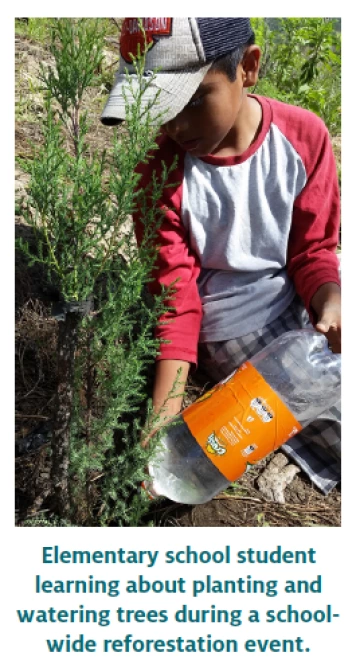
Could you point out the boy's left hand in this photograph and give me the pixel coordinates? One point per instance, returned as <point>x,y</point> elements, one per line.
<point>326,303</point>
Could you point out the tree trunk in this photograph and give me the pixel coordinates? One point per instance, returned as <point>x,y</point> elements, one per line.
<point>67,342</point>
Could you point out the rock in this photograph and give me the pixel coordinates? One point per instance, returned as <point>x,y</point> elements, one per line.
<point>275,477</point>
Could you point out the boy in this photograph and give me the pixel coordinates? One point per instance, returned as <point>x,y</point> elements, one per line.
<point>252,228</point>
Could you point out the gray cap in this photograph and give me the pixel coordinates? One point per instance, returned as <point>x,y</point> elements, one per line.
<point>182,49</point>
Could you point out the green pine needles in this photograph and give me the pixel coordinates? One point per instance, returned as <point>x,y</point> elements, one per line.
<point>79,204</point>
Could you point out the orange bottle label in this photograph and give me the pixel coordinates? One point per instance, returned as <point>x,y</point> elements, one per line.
<point>240,421</point>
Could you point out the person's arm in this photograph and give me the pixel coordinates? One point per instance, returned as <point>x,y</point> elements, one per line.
<point>168,390</point>
<point>176,265</point>
<point>170,379</point>
<point>326,304</point>
<point>312,261</point>
<point>178,328</point>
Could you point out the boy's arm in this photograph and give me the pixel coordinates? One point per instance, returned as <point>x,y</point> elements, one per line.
<point>312,261</point>
<point>167,373</point>
<point>168,390</point>
<point>176,265</point>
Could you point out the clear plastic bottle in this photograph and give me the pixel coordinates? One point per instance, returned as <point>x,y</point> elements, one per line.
<point>300,369</point>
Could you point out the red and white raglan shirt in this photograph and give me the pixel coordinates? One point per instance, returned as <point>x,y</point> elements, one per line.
<point>241,235</point>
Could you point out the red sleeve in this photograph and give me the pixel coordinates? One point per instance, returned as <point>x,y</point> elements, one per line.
<point>175,261</point>
<point>314,235</point>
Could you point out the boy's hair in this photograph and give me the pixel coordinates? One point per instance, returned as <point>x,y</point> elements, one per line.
<point>228,64</point>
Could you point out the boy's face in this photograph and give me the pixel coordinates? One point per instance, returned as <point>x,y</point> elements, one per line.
<point>213,114</point>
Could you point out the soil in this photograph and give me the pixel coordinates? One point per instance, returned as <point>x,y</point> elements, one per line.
<point>243,505</point>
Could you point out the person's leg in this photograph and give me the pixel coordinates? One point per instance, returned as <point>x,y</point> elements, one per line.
<point>317,448</point>
<point>220,359</point>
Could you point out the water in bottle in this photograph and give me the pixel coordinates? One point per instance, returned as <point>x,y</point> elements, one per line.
<point>256,409</point>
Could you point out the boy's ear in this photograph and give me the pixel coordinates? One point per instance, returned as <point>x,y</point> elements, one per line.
<point>250,65</point>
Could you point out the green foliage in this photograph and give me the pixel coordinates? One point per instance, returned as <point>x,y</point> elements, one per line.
<point>34,28</point>
<point>301,64</point>
<point>39,29</point>
<point>77,48</point>
<point>69,205</point>
<point>79,204</point>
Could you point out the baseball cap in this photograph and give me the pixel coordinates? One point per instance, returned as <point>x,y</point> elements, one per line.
<point>181,52</point>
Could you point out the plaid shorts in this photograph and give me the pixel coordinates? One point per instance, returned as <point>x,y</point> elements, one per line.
<point>317,448</point>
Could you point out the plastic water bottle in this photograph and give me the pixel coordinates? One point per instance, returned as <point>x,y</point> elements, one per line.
<point>256,409</point>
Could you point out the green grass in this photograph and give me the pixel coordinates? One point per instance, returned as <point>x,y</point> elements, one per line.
<point>39,29</point>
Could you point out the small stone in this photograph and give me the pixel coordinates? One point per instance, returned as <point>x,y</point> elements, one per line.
<point>275,477</point>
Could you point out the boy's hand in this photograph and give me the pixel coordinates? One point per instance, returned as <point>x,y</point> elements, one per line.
<point>326,303</point>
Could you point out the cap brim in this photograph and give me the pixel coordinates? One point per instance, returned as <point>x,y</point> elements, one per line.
<point>170,92</point>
